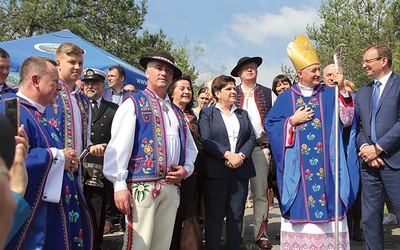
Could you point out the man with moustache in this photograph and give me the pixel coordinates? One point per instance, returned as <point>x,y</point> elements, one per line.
<point>257,100</point>
<point>53,186</point>
<point>151,150</point>
<point>102,115</point>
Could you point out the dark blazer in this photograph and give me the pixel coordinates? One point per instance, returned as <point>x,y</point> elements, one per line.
<point>387,119</point>
<point>101,126</point>
<point>215,141</point>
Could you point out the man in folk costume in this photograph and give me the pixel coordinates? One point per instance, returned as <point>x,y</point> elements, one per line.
<point>151,150</point>
<point>257,100</point>
<point>70,115</point>
<point>301,126</point>
<point>58,218</point>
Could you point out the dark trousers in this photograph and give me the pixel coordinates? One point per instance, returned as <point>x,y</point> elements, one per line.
<point>96,199</point>
<point>225,198</point>
<point>185,209</point>
<point>376,183</point>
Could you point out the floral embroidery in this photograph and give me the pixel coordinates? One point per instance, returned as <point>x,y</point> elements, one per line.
<point>67,195</point>
<point>321,173</point>
<point>55,137</point>
<point>310,137</point>
<point>316,123</point>
<point>41,119</point>
<point>55,109</point>
<point>79,239</point>
<point>319,214</point>
<point>73,216</point>
<point>141,191</point>
<point>311,201</point>
<point>309,175</point>
<point>319,148</point>
<point>303,127</point>
<point>53,122</point>
<point>70,176</point>
<point>313,103</point>
<point>313,161</point>
<point>300,103</point>
<point>322,201</point>
<point>55,160</point>
<point>316,187</point>
<point>147,146</point>
<point>304,149</point>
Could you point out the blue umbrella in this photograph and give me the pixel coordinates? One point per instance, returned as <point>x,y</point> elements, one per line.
<point>46,46</point>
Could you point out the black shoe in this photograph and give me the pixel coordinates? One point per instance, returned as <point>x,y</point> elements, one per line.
<point>264,242</point>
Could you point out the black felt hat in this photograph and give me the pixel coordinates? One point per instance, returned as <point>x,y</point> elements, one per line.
<point>242,61</point>
<point>163,57</point>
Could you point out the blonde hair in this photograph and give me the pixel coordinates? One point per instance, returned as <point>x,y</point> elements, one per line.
<point>67,49</point>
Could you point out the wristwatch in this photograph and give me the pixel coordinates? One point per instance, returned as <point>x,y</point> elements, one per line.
<point>378,151</point>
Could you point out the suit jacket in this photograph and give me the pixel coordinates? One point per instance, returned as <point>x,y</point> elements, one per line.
<point>216,142</point>
<point>387,119</point>
<point>101,127</point>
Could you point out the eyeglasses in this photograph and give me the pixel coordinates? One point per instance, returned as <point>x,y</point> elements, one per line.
<point>252,67</point>
<point>130,90</point>
<point>369,61</point>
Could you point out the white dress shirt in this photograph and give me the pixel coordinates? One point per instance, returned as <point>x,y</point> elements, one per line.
<point>232,126</point>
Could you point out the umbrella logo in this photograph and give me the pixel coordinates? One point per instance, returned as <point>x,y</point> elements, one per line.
<point>50,48</point>
<point>13,79</point>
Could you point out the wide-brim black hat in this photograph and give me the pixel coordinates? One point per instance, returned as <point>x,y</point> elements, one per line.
<point>242,61</point>
<point>163,57</point>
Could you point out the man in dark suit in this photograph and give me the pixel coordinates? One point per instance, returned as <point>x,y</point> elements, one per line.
<point>102,115</point>
<point>378,141</point>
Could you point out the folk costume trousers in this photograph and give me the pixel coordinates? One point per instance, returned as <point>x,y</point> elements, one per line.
<point>259,186</point>
<point>151,223</point>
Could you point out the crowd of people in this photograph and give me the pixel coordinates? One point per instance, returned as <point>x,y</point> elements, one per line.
<point>165,160</point>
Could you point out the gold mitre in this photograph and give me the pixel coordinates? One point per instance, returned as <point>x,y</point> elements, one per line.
<point>302,53</point>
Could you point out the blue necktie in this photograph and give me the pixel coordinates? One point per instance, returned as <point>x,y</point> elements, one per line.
<point>375,101</point>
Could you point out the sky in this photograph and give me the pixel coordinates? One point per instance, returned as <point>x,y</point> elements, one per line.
<point>231,29</point>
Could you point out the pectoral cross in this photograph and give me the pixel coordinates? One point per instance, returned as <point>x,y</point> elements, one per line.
<point>166,110</point>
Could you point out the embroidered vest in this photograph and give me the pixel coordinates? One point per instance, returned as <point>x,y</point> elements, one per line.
<point>59,115</point>
<point>149,155</point>
<point>262,96</point>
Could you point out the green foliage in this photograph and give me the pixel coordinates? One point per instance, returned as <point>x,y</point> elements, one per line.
<point>288,71</point>
<point>113,25</point>
<point>357,24</point>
